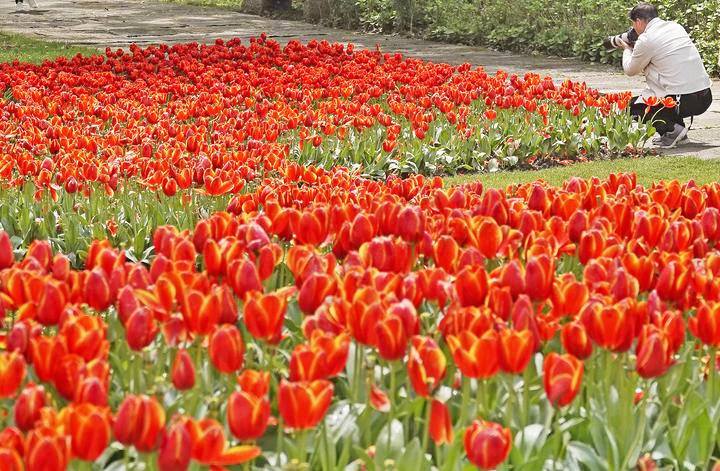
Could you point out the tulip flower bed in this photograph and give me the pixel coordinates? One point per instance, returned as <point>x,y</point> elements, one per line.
<point>217,116</point>
<point>326,320</point>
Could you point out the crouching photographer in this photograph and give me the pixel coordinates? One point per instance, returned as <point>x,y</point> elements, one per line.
<point>664,52</point>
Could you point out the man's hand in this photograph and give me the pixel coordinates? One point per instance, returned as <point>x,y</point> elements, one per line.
<point>624,45</point>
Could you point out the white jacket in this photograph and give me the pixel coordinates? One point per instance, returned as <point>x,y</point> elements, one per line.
<point>669,59</point>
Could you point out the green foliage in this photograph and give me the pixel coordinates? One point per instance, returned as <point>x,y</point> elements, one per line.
<point>648,169</point>
<point>556,27</point>
<point>27,49</point>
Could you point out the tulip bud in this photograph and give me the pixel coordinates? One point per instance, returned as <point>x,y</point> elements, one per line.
<point>183,371</point>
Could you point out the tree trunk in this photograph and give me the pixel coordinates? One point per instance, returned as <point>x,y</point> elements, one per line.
<point>313,9</point>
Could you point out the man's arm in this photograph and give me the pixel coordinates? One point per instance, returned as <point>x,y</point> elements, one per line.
<point>636,59</point>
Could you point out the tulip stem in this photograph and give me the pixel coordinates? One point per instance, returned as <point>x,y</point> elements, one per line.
<point>428,412</point>
<point>392,404</point>
<point>302,446</point>
<point>278,446</point>
<point>464,396</point>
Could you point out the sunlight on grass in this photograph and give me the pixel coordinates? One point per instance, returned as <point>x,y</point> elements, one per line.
<point>649,169</point>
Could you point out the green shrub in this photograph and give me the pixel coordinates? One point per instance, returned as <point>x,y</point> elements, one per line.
<point>555,27</point>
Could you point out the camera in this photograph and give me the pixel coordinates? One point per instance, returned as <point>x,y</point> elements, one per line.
<point>613,42</point>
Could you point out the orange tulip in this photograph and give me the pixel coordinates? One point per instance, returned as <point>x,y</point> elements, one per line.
<point>562,378</point>
<point>247,415</point>
<point>89,427</point>
<point>264,316</point>
<point>183,371</point>
<point>516,349</point>
<point>12,373</point>
<point>303,404</point>
<point>476,357</point>
<point>226,348</point>
<point>426,365</point>
<point>441,430</point>
<point>487,444</point>
<point>28,405</point>
<point>46,450</point>
<point>139,422</point>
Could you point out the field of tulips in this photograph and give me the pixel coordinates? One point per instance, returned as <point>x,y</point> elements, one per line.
<point>228,256</point>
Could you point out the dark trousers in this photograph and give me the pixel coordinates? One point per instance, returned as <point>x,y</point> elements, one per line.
<point>664,119</point>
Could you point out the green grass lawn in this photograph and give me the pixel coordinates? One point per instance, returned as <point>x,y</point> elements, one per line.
<point>27,49</point>
<point>648,170</point>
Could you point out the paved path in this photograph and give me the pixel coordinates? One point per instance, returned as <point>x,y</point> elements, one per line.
<point>118,23</point>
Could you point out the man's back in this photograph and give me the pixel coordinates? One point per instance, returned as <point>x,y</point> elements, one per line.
<point>670,60</point>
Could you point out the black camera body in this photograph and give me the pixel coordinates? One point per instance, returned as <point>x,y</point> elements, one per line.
<point>613,42</point>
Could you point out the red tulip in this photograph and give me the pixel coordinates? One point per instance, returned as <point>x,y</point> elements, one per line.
<point>562,378</point>
<point>210,447</point>
<point>705,325</point>
<point>471,285</point>
<point>441,430</point>
<point>487,444</point>
<point>516,349</point>
<point>303,404</point>
<point>7,257</point>
<point>379,400</point>
<point>247,415</point>
<point>10,460</point>
<point>89,427</point>
<point>139,422</point>
<point>140,329</point>
<point>391,338</point>
<point>264,316</point>
<point>575,340</point>
<point>183,371</point>
<point>254,382</point>
<point>97,290</point>
<point>226,348</point>
<point>46,450</point>
<point>12,373</point>
<point>28,405</point>
<point>426,365</point>
<point>654,356</point>
<point>175,448</point>
<point>476,357</point>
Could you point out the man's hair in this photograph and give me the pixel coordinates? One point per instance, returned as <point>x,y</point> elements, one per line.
<point>644,11</point>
